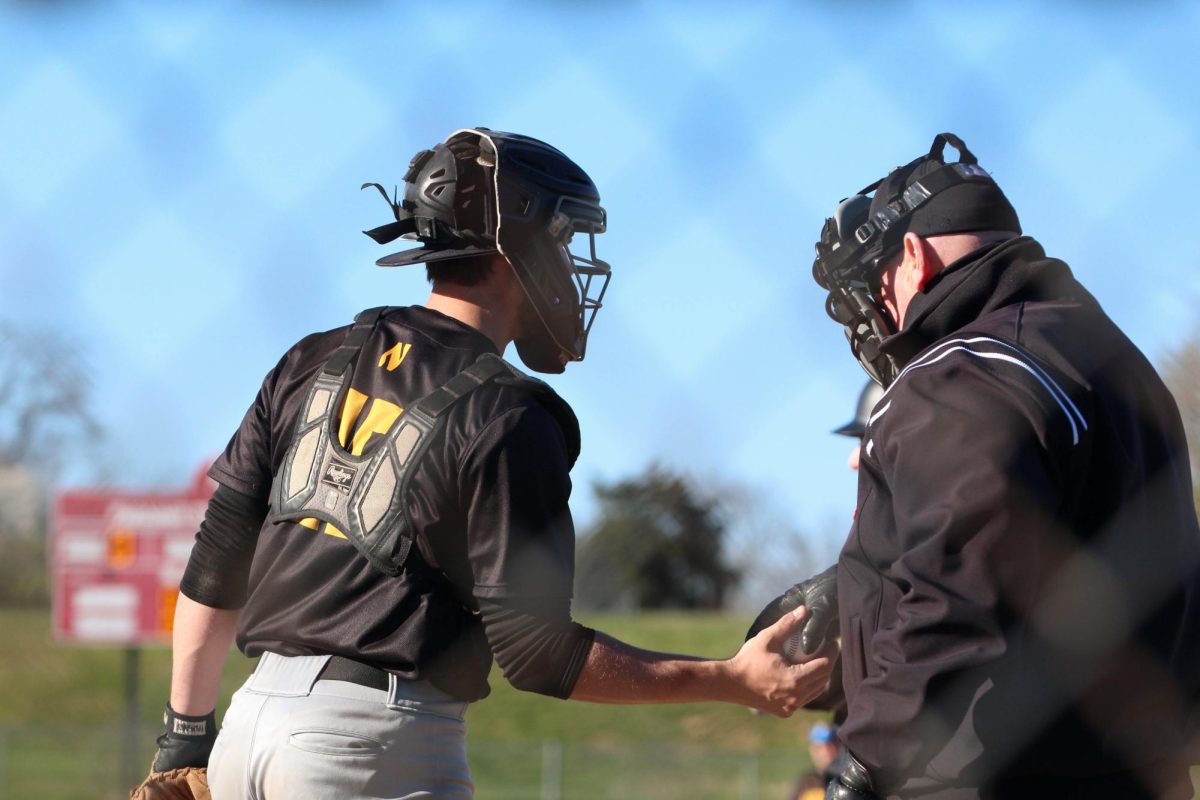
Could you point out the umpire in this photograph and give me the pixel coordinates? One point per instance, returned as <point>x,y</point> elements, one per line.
<point>1019,594</point>
<point>392,513</point>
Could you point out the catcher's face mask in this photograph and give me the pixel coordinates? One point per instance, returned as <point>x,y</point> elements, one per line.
<point>928,197</point>
<point>547,204</point>
<point>484,191</point>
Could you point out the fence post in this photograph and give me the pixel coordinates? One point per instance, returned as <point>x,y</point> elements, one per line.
<point>552,769</point>
<point>128,774</point>
<point>3,761</point>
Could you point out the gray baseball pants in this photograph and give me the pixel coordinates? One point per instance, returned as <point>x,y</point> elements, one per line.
<point>288,735</point>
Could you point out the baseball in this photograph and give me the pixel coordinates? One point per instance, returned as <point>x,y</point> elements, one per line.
<point>791,648</point>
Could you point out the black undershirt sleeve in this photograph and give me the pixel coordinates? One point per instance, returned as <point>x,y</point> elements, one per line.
<point>219,567</point>
<point>540,650</point>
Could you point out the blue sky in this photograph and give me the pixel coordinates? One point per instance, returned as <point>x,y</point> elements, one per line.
<point>179,192</point>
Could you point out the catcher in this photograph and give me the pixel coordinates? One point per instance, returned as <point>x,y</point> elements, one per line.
<point>393,514</point>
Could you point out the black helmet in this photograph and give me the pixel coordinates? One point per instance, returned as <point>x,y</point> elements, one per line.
<point>482,192</point>
<point>928,197</point>
<point>867,398</point>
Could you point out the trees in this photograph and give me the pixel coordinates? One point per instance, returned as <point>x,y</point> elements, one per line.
<point>44,422</point>
<point>44,389</point>
<point>770,549</point>
<point>658,543</point>
<point>1181,372</point>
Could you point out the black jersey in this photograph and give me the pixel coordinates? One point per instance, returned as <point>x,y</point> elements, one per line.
<point>488,502</point>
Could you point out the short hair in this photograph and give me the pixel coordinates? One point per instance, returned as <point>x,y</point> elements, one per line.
<point>465,271</point>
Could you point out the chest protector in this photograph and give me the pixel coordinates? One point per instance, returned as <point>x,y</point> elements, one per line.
<point>364,496</point>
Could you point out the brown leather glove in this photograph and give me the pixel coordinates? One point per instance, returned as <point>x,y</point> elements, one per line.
<point>186,783</point>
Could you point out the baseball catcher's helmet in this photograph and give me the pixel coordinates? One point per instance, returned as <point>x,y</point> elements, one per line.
<point>928,197</point>
<point>482,192</point>
<point>867,398</point>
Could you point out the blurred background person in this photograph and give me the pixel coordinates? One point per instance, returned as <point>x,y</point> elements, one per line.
<point>857,426</point>
<point>823,745</point>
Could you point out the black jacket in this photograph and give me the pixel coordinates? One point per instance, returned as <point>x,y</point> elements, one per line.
<point>1020,594</point>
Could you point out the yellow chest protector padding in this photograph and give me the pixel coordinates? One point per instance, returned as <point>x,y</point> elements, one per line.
<point>363,496</point>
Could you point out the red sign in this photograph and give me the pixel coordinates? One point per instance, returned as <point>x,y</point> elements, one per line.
<point>116,559</point>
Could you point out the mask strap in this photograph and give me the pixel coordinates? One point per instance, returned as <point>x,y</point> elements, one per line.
<point>940,141</point>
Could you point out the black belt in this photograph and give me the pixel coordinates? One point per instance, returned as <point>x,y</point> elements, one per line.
<point>345,669</point>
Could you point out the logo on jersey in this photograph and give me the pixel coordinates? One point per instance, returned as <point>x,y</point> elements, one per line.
<point>339,476</point>
<point>395,357</point>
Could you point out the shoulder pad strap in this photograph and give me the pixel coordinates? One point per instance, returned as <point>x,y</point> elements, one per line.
<point>485,368</point>
<point>356,337</point>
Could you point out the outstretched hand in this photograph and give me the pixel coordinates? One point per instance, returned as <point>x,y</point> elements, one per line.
<point>771,682</point>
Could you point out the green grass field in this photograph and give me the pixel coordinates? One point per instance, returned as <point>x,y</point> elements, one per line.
<point>62,732</point>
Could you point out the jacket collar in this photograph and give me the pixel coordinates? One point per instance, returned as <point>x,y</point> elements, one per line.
<point>995,276</point>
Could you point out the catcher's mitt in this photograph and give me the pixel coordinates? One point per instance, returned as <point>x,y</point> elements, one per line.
<point>186,783</point>
<point>819,595</point>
